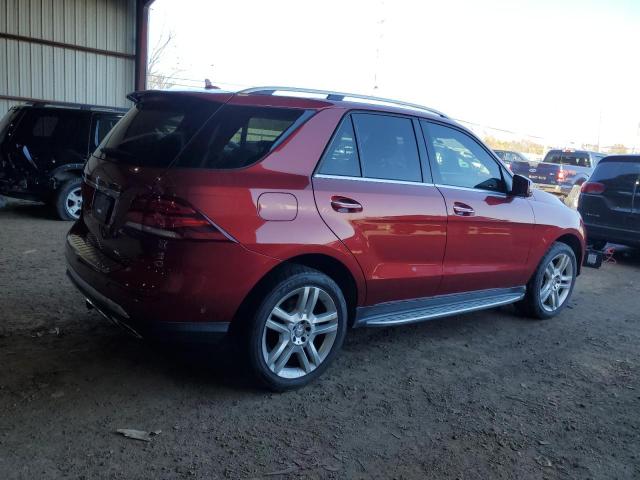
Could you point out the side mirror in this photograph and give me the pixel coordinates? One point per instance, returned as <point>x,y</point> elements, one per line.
<point>521,186</point>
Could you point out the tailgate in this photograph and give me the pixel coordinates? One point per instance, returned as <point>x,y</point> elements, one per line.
<point>545,173</point>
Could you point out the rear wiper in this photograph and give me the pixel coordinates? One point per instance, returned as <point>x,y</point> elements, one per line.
<point>116,152</point>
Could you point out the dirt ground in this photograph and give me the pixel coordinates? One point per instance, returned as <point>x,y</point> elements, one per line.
<point>484,395</point>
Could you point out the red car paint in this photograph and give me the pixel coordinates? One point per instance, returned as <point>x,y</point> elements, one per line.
<point>402,241</point>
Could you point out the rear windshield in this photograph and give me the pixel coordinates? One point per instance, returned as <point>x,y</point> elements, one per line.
<point>238,136</point>
<point>575,159</point>
<point>623,176</point>
<point>155,130</point>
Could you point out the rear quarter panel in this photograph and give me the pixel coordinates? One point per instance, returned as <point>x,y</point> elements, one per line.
<point>230,198</point>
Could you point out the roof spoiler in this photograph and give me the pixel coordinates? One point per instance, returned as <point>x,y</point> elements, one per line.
<point>138,95</point>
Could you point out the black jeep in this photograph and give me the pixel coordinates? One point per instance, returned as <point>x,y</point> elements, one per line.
<point>43,148</point>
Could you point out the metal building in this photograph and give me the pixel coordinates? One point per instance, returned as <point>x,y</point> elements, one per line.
<point>78,51</point>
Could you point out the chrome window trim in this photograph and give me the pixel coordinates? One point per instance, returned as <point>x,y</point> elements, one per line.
<point>471,189</point>
<point>372,180</point>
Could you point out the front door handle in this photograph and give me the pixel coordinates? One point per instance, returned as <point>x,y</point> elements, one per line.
<point>345,205</point>
<point>463,209</point>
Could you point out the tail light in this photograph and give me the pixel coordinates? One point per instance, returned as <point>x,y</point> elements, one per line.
<point>594,188</point>
<point>170,217</point>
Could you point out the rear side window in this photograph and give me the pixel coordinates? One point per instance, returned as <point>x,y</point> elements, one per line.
<point>238,136</point>
<point>618,176</point>
<point>102,125</point>
<point>341,158</point>
<point>44,126</point>
<point>49,129</point>
<point>387,147</point>
<point>155,130</point>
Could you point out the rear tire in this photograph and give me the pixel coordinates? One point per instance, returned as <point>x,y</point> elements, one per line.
<point>297,329</point>
<point>551,286</point>
<point>67,200</point>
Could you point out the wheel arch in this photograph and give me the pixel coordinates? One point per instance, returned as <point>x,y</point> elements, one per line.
<point>575,244</point>
<point>330,266</point>
<point>66,172</point>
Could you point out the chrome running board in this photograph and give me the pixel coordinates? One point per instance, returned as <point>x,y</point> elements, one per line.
<point>419,310</point>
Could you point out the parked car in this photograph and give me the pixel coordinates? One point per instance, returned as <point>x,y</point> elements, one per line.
<point>43,148</point>
<point>560,170</point>
<point>509,156</point>
<point>610,202</point>
<point>284,220</point>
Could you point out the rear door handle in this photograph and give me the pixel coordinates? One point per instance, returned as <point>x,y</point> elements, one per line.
<point>463,209</point>
<point>345,205</point>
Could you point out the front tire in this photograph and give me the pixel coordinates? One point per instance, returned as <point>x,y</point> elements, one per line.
<point>551,286</point>
<point>68,200</point>
<point>298,328</point>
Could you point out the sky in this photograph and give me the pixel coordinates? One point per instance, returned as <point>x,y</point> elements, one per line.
<point>561,72</point>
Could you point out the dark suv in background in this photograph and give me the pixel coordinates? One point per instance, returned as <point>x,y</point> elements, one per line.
<point>610,202</point>
<point>43,149</point>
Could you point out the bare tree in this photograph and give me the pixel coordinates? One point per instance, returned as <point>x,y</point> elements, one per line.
<point>158,77</point>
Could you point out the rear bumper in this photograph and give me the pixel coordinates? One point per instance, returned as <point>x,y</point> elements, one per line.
<point>613,235</point>
<point>206,332</point>
<point>194,293</point>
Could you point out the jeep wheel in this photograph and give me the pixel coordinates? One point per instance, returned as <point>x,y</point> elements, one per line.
<point>68,200</point>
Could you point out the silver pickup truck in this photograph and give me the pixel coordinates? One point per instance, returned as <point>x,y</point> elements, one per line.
<point>560,170</point>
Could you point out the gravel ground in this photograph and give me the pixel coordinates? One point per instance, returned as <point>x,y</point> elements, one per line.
<point>485,395</point>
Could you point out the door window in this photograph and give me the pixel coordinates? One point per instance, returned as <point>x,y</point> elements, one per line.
<point>341,158</point>
<point>49,129</point>
<point>460,161</point>
<point>102,126</point>
<point>387,147</point>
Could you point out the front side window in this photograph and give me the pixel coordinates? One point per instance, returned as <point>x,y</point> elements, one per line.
<point>238,136</point>
<point>387,147</point>
<point>460,161</point>
<point>341,157</point>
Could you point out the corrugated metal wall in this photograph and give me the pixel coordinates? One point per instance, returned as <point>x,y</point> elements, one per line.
<point>48,72</point>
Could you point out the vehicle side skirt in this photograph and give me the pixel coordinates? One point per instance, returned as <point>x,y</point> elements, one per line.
<point>422,309</point>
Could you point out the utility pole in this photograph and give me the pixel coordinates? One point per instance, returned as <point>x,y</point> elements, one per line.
<point>599,128</point>
<point>380,24</point>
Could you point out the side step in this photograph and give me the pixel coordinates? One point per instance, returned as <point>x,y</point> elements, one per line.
<point>420,310</point>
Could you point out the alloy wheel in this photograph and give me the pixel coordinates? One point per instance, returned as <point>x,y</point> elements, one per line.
<point>73,202</point>
<point>300,332</point>
<point>557,282</point>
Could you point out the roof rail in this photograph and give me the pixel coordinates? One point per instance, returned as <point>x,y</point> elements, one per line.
<point>339,96</point>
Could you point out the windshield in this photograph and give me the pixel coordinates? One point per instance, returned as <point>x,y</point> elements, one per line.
<point>6,121</point>
<point>155,130</point>
<point>575,159</point>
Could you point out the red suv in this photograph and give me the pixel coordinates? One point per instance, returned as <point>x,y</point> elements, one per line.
<point>285,220</point>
